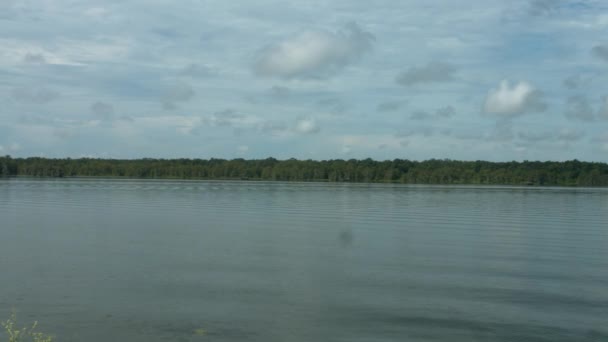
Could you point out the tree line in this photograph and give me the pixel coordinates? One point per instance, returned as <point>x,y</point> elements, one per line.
<point>433,171</point>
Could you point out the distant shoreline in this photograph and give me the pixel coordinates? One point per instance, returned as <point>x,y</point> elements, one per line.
<point>397,171</point>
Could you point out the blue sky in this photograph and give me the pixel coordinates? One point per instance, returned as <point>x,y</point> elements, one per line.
<point>493,80</point>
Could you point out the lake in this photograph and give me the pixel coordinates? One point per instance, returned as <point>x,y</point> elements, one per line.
<point>166,260</point>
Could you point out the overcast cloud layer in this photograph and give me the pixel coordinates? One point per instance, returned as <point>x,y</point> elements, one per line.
<point>494,80</point>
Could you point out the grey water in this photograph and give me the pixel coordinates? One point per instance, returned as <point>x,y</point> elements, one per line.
<point>156,260</point>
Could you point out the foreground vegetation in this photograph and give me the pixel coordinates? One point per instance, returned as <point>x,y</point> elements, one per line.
<point>14,333</point>
<point>568,173</point>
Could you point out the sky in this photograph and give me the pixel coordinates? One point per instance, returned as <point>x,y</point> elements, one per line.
<point>470,80</point>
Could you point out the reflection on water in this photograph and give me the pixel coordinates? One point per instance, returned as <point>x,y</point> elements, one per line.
<point>136,260</point>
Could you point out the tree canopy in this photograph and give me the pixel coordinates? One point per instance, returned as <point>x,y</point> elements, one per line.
<point>433,171</point>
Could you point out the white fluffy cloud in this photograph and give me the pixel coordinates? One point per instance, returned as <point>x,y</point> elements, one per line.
<point>196,60</point>
<point>508,101</point>
<point>306,126</point>
<point>313,53</point>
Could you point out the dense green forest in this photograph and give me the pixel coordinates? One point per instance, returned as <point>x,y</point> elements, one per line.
<point>434,171</point>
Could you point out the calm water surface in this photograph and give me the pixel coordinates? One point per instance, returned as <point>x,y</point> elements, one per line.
<point>134,260</point>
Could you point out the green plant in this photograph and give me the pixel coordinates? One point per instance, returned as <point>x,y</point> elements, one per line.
<point>24,334</point>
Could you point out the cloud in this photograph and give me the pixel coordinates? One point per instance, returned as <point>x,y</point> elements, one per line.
<point>603,113</point>
<point>34,120</point>
<point>82,55</point>
<point>425,131</point>
<point>8,9</point>
<point>96,12</point>
<point>126,119</point>
<point>102,111</point>
<point>167,33</point>
<point>600,51</point>
<point>12,148</point>
<point>578,108</point>
<point>503,132</point>
<point>306,126</point>
<point>334,105</point>
<point>543,7</point>
<point>280,92</point>
<point>34,58</point>
<point>197,71</point>
<point>242,149</point>
<point>180,92</point>
<point>602,139</point>
<point>508,101</point>
<point>44,129</point>
<point>566,135</point>
<point>64,132</point>
<point>535,136</point>
<point>420,115</point>
<point>570,134</point>
<point>346,149</point>
<point>463,134</point>
<point>596,21</point>
<point>576,81</point>
<point>226,118</point>
<point>445,112</point>
<point>313,53</point>
<point>274,128</point>
<point>434,72</point>
<point>440,113</point>
<point>390,106</point>
<point>182,124</point>
<point>446,43</point>
<point>37,95</point>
